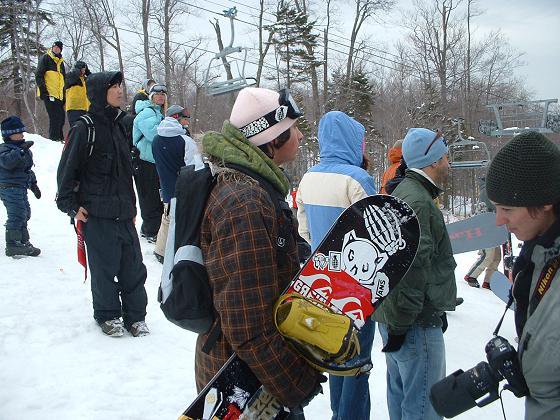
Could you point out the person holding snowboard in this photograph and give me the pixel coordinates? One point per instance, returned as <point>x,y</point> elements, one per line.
<point>341,140</point>
<point>412,318</point>
<point>16,176</point>
<point>530,209</point>
<point>249,250</point>
<point>95,189</point>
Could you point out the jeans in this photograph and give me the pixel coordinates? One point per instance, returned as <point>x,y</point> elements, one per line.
<point>350,394</point>
<point>17,207</point>
<point>412,371</point>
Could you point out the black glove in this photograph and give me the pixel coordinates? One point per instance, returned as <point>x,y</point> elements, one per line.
<point>444,323</point>
<point>394,343</point>
<point>317,390</point>
<point>27,144</point>
<point>36,191</point>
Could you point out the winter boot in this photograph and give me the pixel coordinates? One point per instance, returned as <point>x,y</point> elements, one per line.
<point>113,327</point>
<point>15,245</point>
<point>25,239</point>
<point>472,281</point>
<point>486,285</point>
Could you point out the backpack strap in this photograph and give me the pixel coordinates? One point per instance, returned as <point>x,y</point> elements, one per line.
<point>91,132</point>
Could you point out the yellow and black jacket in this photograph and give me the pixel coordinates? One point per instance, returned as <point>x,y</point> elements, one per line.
<point>50,76</point>
<point>76,93</point>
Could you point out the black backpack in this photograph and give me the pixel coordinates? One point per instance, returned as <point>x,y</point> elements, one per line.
<point>184,294</point>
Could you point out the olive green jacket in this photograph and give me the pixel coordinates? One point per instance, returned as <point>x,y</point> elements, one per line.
<point>428,288</point>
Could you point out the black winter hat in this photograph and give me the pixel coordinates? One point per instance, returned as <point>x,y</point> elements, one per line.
<point>82,65</point>
<point>11,125</point>
<point>525,172</point>
<point>59,44</point>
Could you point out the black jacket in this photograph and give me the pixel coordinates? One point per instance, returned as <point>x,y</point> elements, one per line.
<point>100,182</point>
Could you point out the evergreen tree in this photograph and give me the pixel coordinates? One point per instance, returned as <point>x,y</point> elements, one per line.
<point>19,44</point>
<point>293,34</point>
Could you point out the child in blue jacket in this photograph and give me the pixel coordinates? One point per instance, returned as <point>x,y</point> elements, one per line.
<point>16,177</point>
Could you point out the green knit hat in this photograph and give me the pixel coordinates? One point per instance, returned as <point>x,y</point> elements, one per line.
<point>525,172</point>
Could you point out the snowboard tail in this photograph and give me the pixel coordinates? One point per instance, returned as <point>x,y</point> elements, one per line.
<point>369,248</point>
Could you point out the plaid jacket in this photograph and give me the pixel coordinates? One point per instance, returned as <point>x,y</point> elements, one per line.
<point>238,245</point>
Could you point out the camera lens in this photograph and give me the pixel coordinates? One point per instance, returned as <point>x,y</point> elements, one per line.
<point>460,391</point>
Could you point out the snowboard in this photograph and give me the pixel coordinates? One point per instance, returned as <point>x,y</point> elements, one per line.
<point>368,249</point>
<point>501,286</point>
<point>476,232</point>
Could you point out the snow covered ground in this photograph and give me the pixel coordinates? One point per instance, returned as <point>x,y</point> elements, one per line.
<point>56,364</point>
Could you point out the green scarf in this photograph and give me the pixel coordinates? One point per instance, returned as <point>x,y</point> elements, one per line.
<point>231,146</point>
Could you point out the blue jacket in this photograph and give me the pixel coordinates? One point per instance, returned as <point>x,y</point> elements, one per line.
<point>144,128</point>
<point>15,165</point>
<point>337,181</point>
<point>172,149</point>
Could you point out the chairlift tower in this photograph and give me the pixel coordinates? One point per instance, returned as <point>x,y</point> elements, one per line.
<point>220,87</point>
<point>517,117</point>
<point>467,153</point>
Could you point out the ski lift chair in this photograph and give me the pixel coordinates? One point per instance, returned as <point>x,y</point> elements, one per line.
<point>220,87</point>
<point>467,153</point>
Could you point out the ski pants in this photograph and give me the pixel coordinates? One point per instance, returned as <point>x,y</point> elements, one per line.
<point>55,110</point>
<point>17,207</point>
<point>74,115</point>
<point>117,270</point>
<point>488,259</point>
<point>151,207</point>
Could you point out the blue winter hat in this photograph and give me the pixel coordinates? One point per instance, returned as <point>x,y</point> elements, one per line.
<point>11,125</point>
<point>422,147</point>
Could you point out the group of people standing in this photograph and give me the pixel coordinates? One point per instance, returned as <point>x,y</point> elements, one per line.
<point>248,267</point>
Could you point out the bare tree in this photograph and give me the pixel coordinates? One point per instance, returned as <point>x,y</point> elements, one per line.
<point>75,30</point>
<point>146,4</point>
<point>263,46</point>
<point>364,10</point>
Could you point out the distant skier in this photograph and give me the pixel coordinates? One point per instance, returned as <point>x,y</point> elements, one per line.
<point>394,155</point>
<point>16,176</point>
<point>489,258</point>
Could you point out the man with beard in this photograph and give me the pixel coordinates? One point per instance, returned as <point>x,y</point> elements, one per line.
<point>412,319</point>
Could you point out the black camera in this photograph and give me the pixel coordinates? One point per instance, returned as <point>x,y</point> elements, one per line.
<point>478,386</point>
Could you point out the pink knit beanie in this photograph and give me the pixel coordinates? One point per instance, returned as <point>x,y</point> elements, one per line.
<point>253,103</point>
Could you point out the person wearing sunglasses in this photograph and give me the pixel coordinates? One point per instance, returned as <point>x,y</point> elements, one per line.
<point>412,319</point>
<point>341,141</point>
<point>248,244</point>
<point>149,114</point>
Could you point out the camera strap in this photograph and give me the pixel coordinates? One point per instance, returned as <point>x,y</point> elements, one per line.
<point>510,301</point>
<point>545,279</point>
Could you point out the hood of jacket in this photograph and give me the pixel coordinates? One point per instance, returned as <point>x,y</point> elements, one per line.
<point>97,85</point>
<point>394,154</point>
<point>170,127</point>
<point>340,139</point>
<point>143,104</point>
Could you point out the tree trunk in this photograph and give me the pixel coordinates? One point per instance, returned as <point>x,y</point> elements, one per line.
<point>146,37</point>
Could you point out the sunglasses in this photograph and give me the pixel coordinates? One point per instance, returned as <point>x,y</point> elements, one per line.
<point>439,135</point>
<point>287,108</point>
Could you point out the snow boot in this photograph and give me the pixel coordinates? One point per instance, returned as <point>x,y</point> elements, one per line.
<point>139,329</point>
<point>15,246</point>
<point>113,327</point>
<point>459,301</point>
<point>25,239</point>
<point>472,281</point>
<point>486,285</point>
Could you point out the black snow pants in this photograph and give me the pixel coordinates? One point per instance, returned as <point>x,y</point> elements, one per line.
<point>151,207</point>
<point>113,251</point>
<point>57,116</point>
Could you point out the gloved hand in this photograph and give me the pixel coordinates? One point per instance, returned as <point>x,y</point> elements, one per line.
<point>444,322</point>
<point>27,144</point>
<point>36,191</point>
<point>394,343</point>
<point>317,390</point>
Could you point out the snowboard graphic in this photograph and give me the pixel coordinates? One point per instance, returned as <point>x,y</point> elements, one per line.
<point>501,285</point>
<point>367,251</point>
<point>476,232</point>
